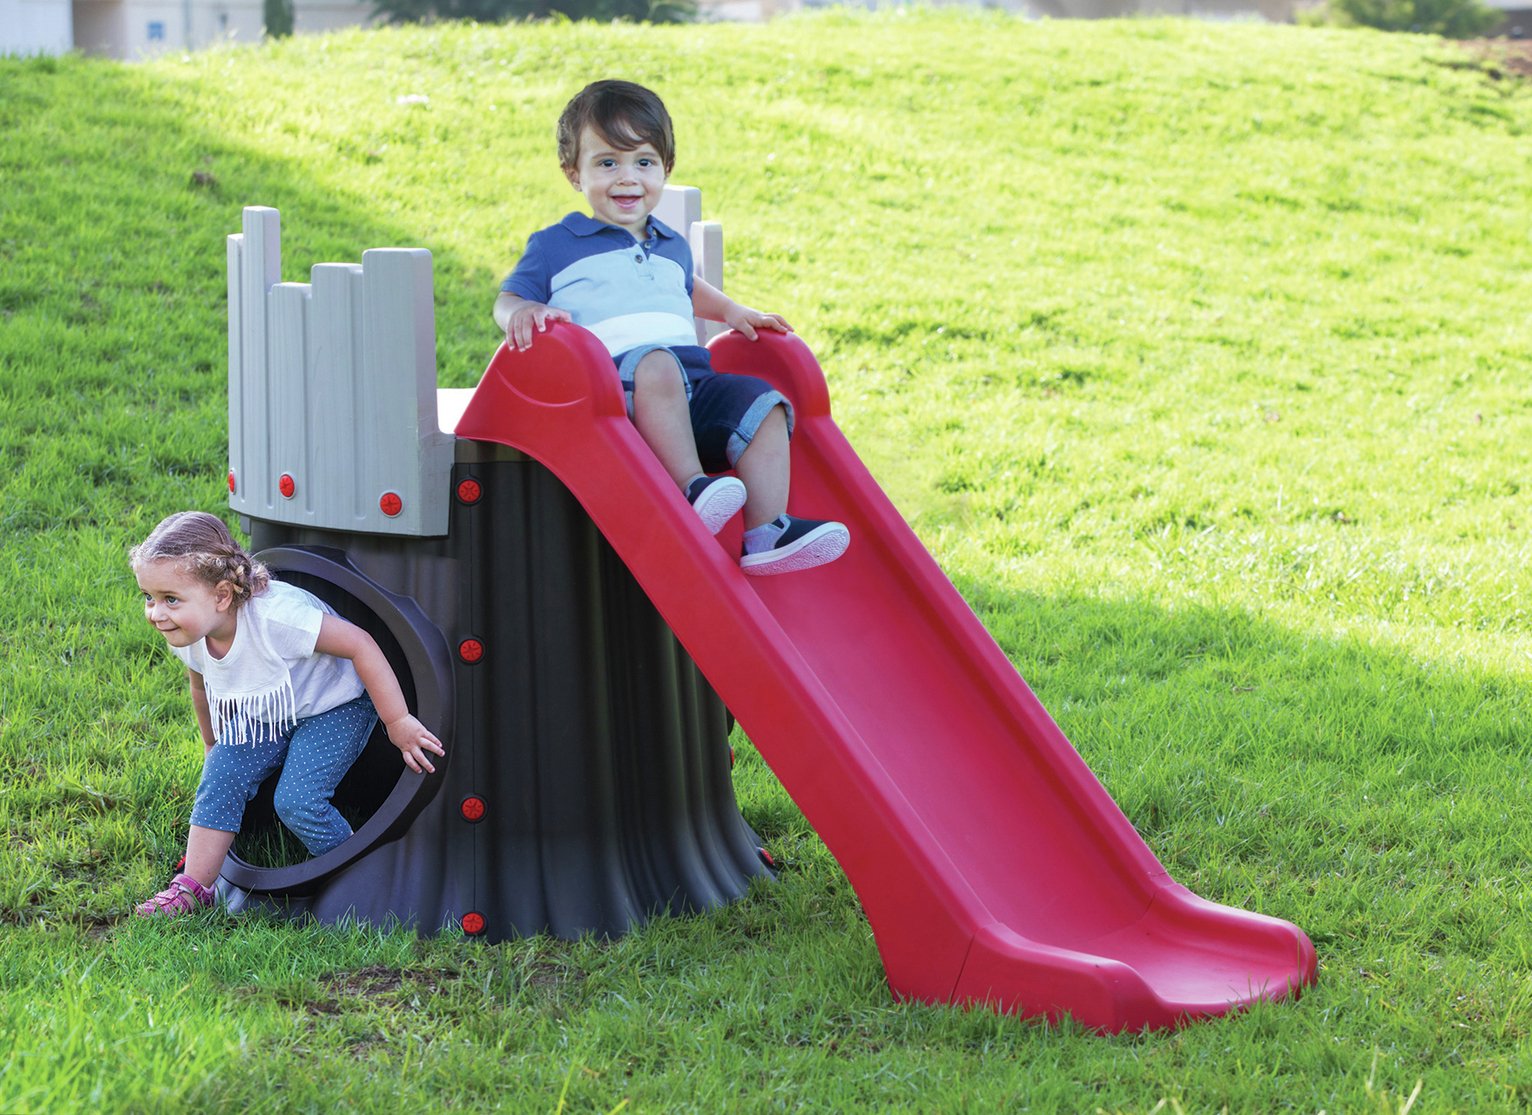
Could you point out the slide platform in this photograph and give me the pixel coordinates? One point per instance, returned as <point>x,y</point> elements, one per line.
<point>994,868</point>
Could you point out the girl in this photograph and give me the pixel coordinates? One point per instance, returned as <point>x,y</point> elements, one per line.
<point>278,682</point>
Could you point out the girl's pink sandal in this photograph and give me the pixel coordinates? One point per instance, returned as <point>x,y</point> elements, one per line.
<point>183,896</point>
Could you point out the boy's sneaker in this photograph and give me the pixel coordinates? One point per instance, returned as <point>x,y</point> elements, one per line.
<point>184,895</point>
<point>804,544</point>
<point>717,499</point>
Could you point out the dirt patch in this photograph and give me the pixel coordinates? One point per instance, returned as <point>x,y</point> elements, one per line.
<point>376,981</point>
<point>1503,57</point>
<point>368,982</point>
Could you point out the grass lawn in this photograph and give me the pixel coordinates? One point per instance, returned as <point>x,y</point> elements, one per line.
<point>1197,354</point>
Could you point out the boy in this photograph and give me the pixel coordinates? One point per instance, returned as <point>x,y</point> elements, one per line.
<point>628,278</point>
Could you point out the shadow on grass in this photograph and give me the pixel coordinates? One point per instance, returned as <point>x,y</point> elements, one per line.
<point>1317,779</point>
<point>113,354</point>
<point>113,413</point>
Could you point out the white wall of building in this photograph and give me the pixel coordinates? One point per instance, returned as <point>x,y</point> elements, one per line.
<point>131,29</point>
<point>35,27</point>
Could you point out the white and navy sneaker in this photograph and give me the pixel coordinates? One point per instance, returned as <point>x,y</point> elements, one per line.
<point>802,544</point>
<point>717,499</point>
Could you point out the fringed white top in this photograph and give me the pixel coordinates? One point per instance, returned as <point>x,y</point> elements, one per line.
<point>271,674</point>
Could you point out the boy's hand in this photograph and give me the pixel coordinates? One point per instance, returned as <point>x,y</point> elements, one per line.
<point>748,321</point>
<point>413,741</point>
<point>528,318</point>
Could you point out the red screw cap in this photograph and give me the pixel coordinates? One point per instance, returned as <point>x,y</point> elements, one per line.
<point>473,809</point>
<point>470,651</point>
<point>233,483</point>
<point>474,923</point>
<point>469,491</point>
<point>287,485</point>
<point>390,504</point>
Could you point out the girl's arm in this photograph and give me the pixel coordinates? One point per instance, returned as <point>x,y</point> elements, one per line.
<point>712,304</point>
<point>199,706</point>
<point>409,735</point>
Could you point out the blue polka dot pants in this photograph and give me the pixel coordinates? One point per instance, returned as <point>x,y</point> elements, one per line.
<point>313,756</point>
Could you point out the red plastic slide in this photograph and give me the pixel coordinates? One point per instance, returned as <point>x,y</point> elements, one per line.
<point>993,866</point>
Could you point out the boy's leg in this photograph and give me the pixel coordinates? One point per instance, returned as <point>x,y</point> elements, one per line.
<point>322,750</point>
<point>663,418</point>
<point>745,421</point>
<point>766,468</point>
<point>661,409</point>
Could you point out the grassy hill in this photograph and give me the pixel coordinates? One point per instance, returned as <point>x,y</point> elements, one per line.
<point>1198,355</point>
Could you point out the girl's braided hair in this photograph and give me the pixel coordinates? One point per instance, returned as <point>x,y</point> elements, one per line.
<point>203,546</point>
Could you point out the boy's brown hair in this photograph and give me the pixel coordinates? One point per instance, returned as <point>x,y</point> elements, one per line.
<point>624,114</point>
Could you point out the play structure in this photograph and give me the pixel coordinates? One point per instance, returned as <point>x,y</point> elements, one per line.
<point>578,640</point>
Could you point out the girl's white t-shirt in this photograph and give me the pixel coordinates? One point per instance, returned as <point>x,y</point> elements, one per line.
<point>271,674</point>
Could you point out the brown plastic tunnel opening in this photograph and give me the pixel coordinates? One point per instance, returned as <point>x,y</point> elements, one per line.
<point>378,792</point>
<point>263,842</point>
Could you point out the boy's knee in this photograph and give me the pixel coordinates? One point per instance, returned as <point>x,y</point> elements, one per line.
<point>771,433</point>
<point>659,371</point>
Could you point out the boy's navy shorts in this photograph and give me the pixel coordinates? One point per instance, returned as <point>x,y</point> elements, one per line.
<point>727,410</point>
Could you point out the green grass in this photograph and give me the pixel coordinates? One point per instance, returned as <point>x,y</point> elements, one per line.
<point>1196,354</point>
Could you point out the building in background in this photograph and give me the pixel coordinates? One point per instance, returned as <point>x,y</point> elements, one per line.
<point>35,27</point>
<point>1517,23</point>
<point>132,29</point>
<point>1275,11</point>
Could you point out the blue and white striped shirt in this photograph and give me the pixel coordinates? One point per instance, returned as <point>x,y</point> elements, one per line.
<point>625,292</point>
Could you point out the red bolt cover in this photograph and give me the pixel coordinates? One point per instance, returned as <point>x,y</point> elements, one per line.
<point>469,490</point>
<point>233,484</point>
<point>390,504</point>
<point>473,923</point>
<point>473,809</point>
<point>286,485</point>
<point>470,650</point>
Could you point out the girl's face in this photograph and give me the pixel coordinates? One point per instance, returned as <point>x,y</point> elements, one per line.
<point>183,608</point>
<point>622,187</point>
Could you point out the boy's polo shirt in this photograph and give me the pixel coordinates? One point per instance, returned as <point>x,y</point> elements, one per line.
<point>626,293</point>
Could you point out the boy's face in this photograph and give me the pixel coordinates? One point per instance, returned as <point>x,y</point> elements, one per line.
<point>622,187</point>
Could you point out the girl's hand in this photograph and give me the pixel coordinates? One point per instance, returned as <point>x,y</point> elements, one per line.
<point>413,741</point>
<point>748,321</point>
<point>528,318</point>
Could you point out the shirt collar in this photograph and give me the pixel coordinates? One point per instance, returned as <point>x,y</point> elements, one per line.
<point>582,225</point>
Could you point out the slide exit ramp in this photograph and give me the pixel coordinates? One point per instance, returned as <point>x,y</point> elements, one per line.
<point>993,866</point>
